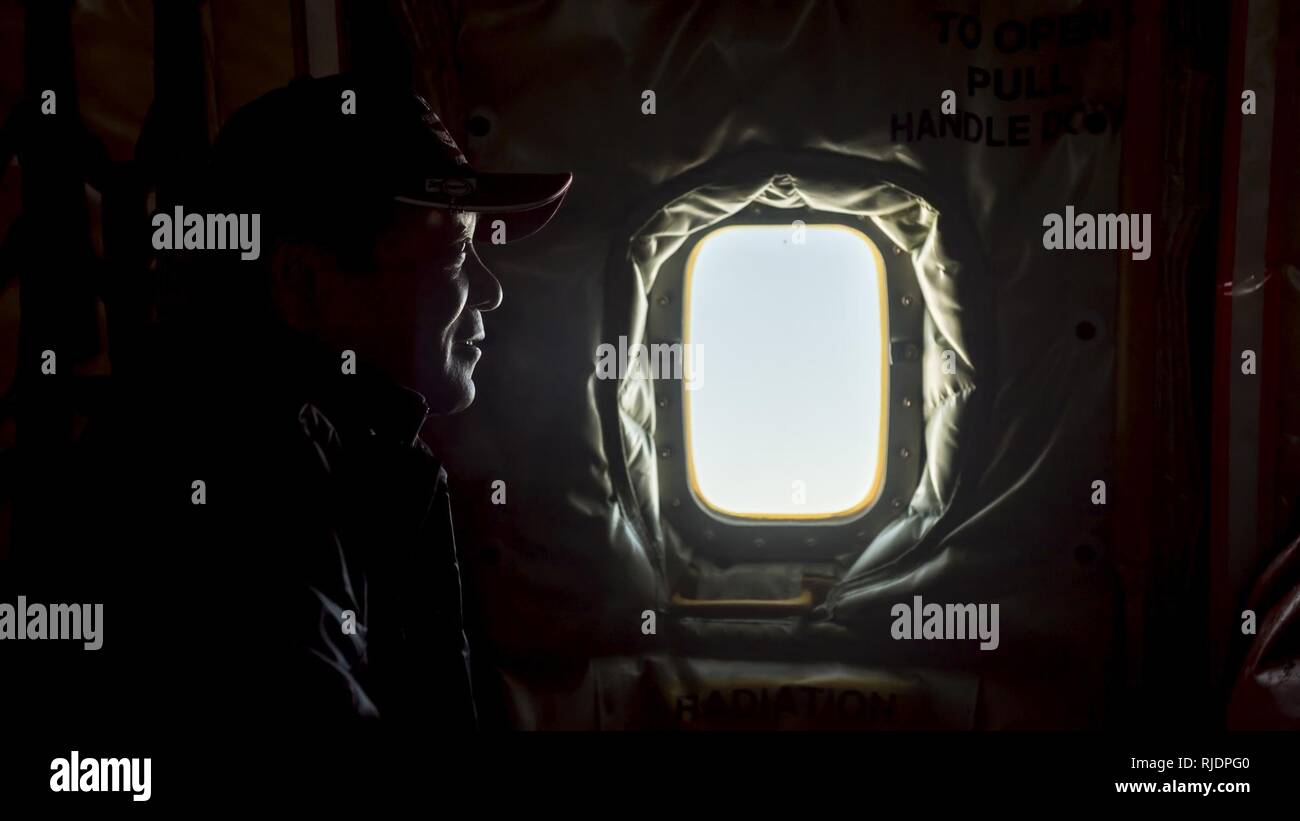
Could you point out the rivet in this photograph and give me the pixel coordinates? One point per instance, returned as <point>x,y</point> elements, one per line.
<point>907,401</point>
<point>708,534</point>
<point>664,453</point>
<point>896,504</point>
<point>479,126</point>
<point>663,300</point>
<point>760,542</point>
<point>911,352</point>
<point>906,300</point>
<point>905,453</point>
<point>810,541</point>
<point>862,535</point>
<point>677,502</point>
<point>663,403</point>
<point>898,249</point>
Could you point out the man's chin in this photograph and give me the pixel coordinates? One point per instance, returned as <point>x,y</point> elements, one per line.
<point>453,401</point>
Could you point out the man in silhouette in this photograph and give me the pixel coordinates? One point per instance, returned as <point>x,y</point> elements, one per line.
<point>324,528</point>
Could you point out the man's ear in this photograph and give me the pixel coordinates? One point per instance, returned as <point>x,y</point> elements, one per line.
<point>295,285</point>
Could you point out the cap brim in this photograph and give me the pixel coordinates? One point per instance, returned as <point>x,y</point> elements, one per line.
<point>523,202</point>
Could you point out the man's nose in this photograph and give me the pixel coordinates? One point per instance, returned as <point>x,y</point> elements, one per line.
<point>484,287</point>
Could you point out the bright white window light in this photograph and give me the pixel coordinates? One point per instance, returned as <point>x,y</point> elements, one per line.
<point>787,416</point>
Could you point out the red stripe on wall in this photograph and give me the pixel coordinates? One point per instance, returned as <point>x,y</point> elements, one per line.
<point>1220,588</point>
<point>1281,230</point>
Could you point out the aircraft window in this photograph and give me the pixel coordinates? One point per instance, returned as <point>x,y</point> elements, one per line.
<point>786,418</point>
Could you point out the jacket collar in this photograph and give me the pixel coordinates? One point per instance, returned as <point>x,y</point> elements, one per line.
<point>374,404</point>
<point>365,402</point>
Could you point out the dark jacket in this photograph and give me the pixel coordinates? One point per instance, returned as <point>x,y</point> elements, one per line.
<point>321,506</point>
<point>367,526</point>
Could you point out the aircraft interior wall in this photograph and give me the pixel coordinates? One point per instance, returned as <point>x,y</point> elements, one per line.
<point>1071,437</point>
<point>1052,393</point>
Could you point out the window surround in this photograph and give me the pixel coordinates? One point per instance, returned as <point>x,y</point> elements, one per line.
<point>925,222</point>
<point>792,537</point>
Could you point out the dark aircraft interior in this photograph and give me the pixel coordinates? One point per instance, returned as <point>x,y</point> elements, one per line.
<point>882,366</point>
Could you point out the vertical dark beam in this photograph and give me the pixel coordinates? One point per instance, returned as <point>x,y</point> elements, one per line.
<point>1224,361</point>
<point>173,145</point>
<point>171,148</point>
<point>344,39</point>
<point>54,202</point>
<point>1282,247</point>
<point>1194,59</point>
<point>55,261</point>
<point>298,27</point>
<point>1249,502</point>
<point>130,292</point>
<point>377,47</point>
<point>178,144</point>
<point>1136,425</point>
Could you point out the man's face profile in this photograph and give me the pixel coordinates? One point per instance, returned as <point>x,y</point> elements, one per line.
<point>415,311</point>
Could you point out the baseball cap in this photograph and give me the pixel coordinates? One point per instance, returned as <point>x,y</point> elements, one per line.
<point>321,153</point>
